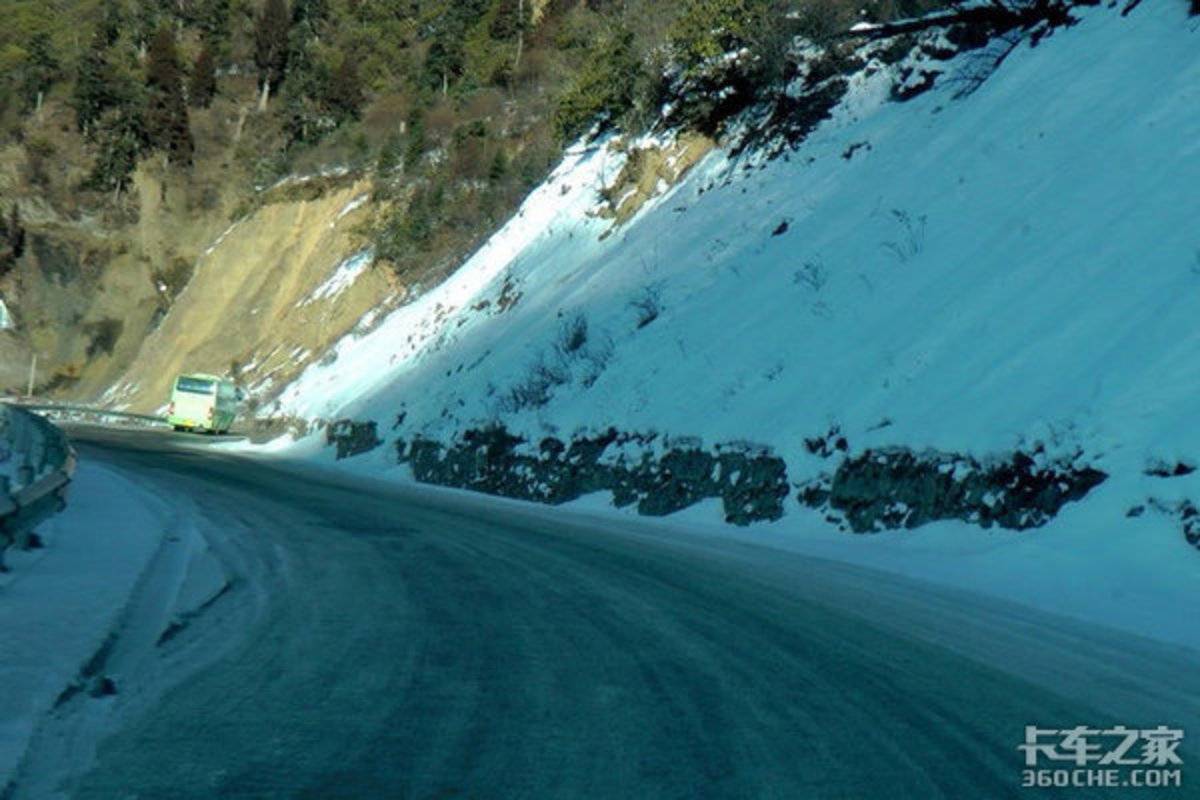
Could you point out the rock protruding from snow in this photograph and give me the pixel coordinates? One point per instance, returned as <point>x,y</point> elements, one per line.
<point>1183,510</point>
<point>750,481</point>
<point>352,438</point>
<point>898,488</point>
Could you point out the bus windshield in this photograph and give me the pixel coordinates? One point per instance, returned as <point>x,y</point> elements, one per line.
<point>195,385</point>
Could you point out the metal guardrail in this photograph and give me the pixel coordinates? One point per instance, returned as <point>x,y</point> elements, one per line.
<point>71,411</point>
<point>36,465</point>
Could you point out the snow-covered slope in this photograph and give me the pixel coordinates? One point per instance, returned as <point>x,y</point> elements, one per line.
<point>1016,263</point>
<point>1011,269</point>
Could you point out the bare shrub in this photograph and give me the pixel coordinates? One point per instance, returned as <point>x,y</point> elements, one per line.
<point>595,360</point>
<point>573,355</point>
<point>911,241</point>
<point>647,305</point>
<point>536,388</point>
<point>572,336</point>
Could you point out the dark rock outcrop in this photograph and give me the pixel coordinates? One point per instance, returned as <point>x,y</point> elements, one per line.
<point>1186,512</point>
<point>751,483</point>
<point>352,438</point>
<point>1163,469</point>
<point>899,488</point>
<point>876,490</point>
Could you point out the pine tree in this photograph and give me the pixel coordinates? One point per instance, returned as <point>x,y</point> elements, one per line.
<point>145,23</point>
<point>166,111</point>
<point>305,117</point>
<point>446,59</point>
<point>42,69</point>
<point>391,155</point>
<point>314,100</point>
<point>122,138</point>
<point>111,22</point>
<point>508,20</point>
<point>499,168</point>
<point>12,239</point>
<point>16,232</point>
<point>95,85</point>
<point>309,13</point>
<point>603,89</point>
<point>7,259</point>
<point>443,63</point>
<point>212,18</point>
<point>708,29</point>
<point>271,46</point>
<point>303,35</point>
<point>414,150</point>
<point>344,95</point>
<point>203,86</point>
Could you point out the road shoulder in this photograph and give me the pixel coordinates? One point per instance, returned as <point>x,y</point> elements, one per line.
<point>120,570</point>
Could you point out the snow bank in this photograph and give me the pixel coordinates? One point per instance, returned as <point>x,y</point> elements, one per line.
<point>59,604</point>
<point>1132,576</point>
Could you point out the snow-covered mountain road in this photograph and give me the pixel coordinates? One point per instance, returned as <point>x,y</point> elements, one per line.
<point>427,644</point>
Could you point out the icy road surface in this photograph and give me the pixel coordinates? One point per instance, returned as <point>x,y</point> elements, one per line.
<point>422,643</point>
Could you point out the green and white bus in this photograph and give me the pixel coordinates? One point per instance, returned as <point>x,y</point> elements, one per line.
<point>203,403</point>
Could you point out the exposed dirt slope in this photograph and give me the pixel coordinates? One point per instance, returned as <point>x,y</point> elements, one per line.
<point>268,295</point>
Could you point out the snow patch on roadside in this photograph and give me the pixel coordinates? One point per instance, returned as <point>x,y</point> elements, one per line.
<point>1130,577</point>
<point>59,604</point>
<point>85,625</point>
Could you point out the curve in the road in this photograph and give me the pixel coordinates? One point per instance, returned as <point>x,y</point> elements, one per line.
<point>424,645</point>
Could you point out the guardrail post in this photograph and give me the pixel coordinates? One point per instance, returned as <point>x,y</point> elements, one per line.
<point>42,463</point>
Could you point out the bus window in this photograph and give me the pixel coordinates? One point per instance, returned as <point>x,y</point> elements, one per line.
<point>195,385</point>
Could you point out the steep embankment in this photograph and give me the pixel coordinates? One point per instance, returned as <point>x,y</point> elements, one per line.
<point>115,310</point>
<point>266,295</point>
<point>97,272</point>
<point>188,269</point>
<point>966,295</point>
